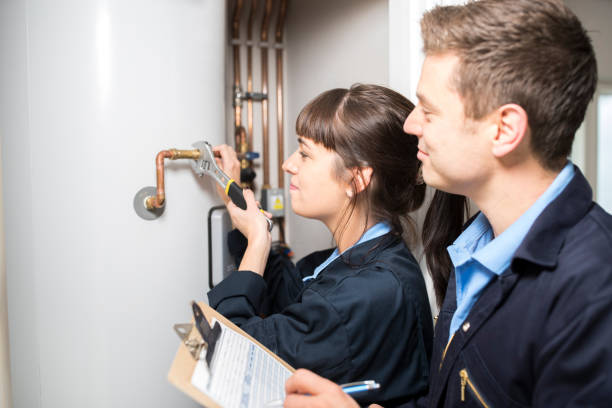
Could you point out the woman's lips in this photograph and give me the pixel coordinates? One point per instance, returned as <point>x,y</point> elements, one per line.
<point>421,154</point>
<point>292,187</point>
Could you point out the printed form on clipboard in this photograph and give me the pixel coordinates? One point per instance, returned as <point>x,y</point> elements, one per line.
<point>229,370</point>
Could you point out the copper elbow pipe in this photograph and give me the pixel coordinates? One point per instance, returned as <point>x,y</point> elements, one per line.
<point>158,201</point>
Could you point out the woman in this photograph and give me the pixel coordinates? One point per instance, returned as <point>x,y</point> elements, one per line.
<point>341,312</point>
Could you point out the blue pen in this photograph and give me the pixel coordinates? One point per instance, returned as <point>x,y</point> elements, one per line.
<point>349,388</point>
<point>360,386</point>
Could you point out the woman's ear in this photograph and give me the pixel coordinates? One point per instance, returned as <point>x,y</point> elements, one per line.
<point>362,177</point>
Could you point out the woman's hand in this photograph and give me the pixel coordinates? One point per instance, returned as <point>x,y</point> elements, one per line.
<point>322,392</point>
<point>229,164</point>
<point>251,222</point>
<point>254,226</point>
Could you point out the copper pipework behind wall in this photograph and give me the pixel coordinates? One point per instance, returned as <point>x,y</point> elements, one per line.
<point>280,22</point>
<point>264,90</point>
<point>172,154</point>
<point>250,75</point>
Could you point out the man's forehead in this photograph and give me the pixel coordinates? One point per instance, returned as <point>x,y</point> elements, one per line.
<point>438,69</point>
<point>436,75</point>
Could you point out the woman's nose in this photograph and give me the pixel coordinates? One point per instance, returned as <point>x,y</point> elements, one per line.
<point>289,166</point>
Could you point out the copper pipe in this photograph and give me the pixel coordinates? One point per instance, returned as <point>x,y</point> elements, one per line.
<point>236,49</point>
<point>264,90</point>
<point>250,75</point>
<point>280,22</point>
<point>241,137</point>
<point>239,132</point>
<point>157,201</point>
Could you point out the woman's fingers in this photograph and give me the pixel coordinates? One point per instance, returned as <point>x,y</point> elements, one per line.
<point>250,222</point>
<point>227,161</point>
<point>249,197</point>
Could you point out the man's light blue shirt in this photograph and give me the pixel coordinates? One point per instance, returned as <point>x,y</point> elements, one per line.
<point>375,231</point>
<point>478,256</point>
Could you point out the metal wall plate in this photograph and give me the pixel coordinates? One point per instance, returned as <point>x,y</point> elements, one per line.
<point>140,207</point>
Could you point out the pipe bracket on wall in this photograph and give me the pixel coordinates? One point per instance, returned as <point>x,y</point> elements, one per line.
<point>140,205</point>
<point>255,96</point>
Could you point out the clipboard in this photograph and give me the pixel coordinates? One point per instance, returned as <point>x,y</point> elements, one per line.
<point>184,363</point>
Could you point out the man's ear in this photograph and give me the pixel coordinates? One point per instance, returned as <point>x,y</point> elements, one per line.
<point>362,177</point>
<point>512,126</point>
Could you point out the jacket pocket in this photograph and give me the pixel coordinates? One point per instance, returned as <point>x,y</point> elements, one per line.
<point>478,386</point>
<point>468,385</point>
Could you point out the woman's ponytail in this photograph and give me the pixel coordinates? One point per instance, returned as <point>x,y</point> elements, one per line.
<point>443,224</point>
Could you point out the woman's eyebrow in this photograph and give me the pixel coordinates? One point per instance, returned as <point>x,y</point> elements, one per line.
<point>303,142</point>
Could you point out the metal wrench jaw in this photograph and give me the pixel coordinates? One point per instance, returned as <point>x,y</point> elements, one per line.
<point>206,164</point>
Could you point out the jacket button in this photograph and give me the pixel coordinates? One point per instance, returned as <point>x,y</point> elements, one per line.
<point>466,326</point>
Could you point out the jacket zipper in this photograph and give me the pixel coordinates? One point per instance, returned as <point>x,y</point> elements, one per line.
<point>465,379</point>
<point>445,350</point>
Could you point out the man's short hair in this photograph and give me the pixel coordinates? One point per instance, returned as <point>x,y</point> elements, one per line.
<point>534,53</point>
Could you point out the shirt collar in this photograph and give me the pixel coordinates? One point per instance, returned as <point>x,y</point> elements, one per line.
<point>377,230</point>
<point>495,253</point>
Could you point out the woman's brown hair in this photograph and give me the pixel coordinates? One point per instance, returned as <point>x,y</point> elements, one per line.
<point>364,125</point>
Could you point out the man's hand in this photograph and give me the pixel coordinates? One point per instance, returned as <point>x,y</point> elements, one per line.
<point>322,392</point>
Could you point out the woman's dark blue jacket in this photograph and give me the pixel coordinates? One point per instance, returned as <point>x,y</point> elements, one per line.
<point>365,317</point>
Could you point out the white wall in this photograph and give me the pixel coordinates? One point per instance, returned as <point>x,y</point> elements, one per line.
<point>5,374</point>
<point>330,44</point>
<point>595,15</point>
<point>91,91</point>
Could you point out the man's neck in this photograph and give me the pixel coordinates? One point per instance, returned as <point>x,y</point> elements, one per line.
<point>506,197</point>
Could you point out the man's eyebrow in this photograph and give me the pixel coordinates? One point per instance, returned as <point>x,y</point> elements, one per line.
<point>426,103</point>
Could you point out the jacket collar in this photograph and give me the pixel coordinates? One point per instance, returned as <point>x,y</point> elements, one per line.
<point>364,253</point>
<point>542,244</point>
<point>360,255</point>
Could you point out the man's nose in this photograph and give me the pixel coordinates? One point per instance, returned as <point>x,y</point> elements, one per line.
<point>411,125</point>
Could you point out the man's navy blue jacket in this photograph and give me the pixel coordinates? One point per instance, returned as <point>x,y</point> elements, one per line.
<point>540,335</point>
<point>365,317</point>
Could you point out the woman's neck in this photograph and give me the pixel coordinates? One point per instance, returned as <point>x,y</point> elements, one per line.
<point>348,232</point>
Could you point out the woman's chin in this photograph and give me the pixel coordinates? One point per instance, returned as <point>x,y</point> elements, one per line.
<point>300,211</point>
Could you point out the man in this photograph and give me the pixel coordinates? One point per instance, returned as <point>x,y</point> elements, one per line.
<point>527,316</point>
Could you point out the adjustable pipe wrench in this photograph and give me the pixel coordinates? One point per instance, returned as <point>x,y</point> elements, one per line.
<point>206,165</point>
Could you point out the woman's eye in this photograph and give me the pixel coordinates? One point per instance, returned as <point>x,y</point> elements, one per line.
<point>303,155</point>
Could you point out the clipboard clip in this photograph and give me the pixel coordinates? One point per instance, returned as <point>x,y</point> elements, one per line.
<point>208,335</point>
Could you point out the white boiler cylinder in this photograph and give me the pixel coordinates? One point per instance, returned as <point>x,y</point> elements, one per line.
<point>91,91</point>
